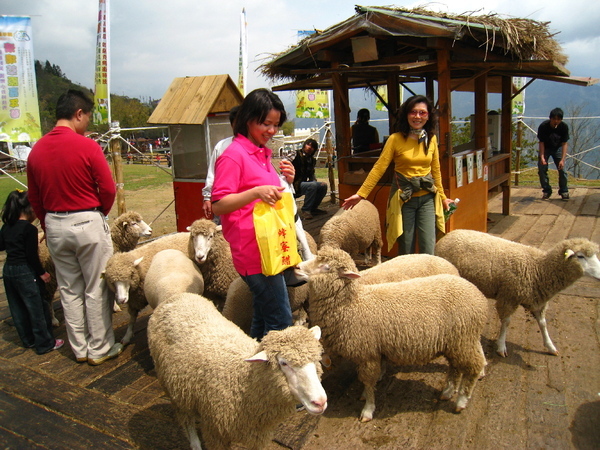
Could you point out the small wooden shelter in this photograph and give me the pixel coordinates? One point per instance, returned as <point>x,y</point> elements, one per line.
<point>196,110</point>
<point>396,47</point>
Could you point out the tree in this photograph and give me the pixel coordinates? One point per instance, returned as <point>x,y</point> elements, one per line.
<point>584,134</point>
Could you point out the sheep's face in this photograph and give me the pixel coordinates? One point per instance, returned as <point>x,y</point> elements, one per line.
<point>138,227</point>
<point>589,263</point>
<point>330,261</point>
<point>201,241</point>
<point>121,275</point>
<point>297,352</point>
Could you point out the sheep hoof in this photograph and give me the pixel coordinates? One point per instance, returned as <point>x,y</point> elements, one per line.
<point>502,353</point>
<point>365,418</point>
<point>55,323</point>
<point>446,396</point>
<point>553,352</point>
<point>116,307</point>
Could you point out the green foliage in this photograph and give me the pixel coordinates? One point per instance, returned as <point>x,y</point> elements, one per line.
<point>52,82</point>
<point>460,132</point>
<point>288,128</point>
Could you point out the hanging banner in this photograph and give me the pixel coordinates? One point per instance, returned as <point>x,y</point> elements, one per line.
<point>19,110</point>
<point>518,103</point>
<point>243,63</point>
<point>101,113</point>
<point>312,104</point>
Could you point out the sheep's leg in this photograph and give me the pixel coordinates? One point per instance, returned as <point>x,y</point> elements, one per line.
<point>116,307</point>
<point>504,312</point>
<point>465,390</point>
<point>129,333</point>
<point>189,428</point>
<point>55,321</point>
<point>452,383</point>
<point>540,316</point>
<point>368,374</point>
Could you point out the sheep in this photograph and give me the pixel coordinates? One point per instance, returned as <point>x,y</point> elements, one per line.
<point>516,274</point>
<point>170,273</point>
<point>125,274</point>
<point>234,387</point>
<point>354,230</point>
<point>125,231</point>
<point>209,249</point>
<point>407,322</point>
<point>238,305</point>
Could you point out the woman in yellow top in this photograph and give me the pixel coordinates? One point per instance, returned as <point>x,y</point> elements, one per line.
<point>417,200</point>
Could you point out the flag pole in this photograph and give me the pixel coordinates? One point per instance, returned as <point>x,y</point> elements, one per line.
<point>243,62</point>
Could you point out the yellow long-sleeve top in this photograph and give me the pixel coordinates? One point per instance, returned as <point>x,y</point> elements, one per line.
<point>411,161</point>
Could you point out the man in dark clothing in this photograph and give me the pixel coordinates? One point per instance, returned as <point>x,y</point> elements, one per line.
<point>553,135</point>
<point>305,182</point>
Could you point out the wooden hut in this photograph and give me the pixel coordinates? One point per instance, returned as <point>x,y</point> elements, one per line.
<point>396,47</point>
<point>196,110</point>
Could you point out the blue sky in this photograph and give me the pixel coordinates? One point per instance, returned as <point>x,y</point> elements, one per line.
<point>155,41</point>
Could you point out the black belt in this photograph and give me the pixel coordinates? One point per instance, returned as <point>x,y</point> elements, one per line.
<point>75,211</point>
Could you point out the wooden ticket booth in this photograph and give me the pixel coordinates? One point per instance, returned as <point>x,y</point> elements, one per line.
<point>196,110</point>
<point>394,47</point>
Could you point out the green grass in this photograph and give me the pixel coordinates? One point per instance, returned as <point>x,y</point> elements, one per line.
<point>137,176</point>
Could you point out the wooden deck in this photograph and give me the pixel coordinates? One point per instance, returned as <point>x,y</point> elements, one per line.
<point>50,401</point>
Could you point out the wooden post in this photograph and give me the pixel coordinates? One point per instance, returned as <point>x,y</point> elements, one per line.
<point>329,149</point>
<point>115,150</point>
<point>518,149</point>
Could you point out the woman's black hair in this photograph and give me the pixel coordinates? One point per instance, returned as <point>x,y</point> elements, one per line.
<point>430,126</point>
<point>16,203</point>
<point>362,116</point>
<point>255,108</point>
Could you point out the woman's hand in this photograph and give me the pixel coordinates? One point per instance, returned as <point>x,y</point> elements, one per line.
<point>447,203</point>
<point>287,169</point>
<point>351,201</point>
<point>268,194</point>
<point>207,208</point>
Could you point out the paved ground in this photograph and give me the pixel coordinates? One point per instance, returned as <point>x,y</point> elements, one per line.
<point>528,400</point>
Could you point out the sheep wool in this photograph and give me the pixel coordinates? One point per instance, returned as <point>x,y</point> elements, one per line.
<point>407,322</point>
<point>516,274</point>
<point>354,230</point>
<point>214,258</point>
<point>201,360</point>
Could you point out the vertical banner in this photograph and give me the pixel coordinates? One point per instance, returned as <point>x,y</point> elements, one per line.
<point>518,103</point>
<point>101,113</point>
<point>312,104</point>
<point>19,110</point>
<point>243,64</point>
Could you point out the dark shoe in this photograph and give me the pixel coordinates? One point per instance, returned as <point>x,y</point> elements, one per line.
<point>305,215</point>
<point>114,351</point>
<point>318,212</point>
<point>565,196</point>
<point>545,196</point>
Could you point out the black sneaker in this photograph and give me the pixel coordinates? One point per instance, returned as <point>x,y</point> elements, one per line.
<point>545,196</point>
<point>318,212</point>
<point>565,196</point>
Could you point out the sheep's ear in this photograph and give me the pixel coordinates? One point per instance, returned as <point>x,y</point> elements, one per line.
<point>349,274</point>
<point>188,228</point>
<point>316,331</point>
<point>569,253</point>
<point>103,275</point>
<point>137,261</point>
<point>219,228</point>
<point>259,357</point>
<point>125,224</point>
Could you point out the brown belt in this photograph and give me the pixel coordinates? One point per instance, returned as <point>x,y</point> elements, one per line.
<point>75,211</point>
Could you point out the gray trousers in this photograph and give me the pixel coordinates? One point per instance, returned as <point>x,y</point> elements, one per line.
<point>80,244</point>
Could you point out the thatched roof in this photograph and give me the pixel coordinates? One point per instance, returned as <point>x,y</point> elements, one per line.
<point>404,35</point>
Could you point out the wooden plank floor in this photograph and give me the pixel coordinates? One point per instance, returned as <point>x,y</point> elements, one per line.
<point>50,401</point>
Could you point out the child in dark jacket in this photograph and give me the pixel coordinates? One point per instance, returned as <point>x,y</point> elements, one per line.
<point>22,271</point>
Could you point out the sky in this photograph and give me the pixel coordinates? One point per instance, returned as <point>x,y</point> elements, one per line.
<point>154,41</point>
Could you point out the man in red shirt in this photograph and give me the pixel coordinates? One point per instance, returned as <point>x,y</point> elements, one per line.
<point>71,190</point>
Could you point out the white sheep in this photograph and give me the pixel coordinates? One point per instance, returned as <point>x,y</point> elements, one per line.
<point>125,231</point>
<point>235,388</point>
<point>354,230</point>
<point>170,273</point>
<point>125,274</point>
<point>516,274</point>
<point>238,305</point>
<point>408,322</point>
<point>209,249</point>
